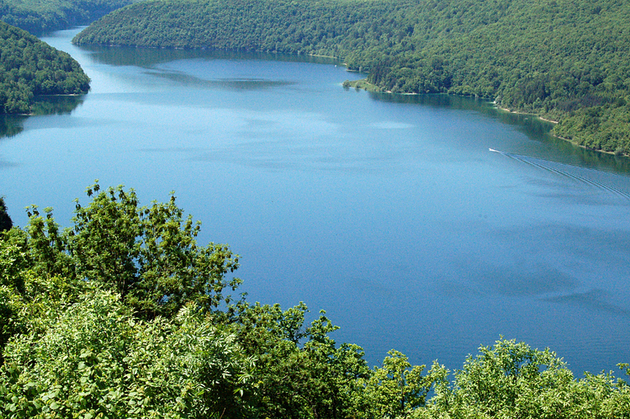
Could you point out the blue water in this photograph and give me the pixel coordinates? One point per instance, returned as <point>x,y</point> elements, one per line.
<point>389,212</point>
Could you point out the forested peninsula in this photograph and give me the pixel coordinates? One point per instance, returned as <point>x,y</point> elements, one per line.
<point>564,60</point>
<point>30,67</point>
<point>124,314</point>
<point>37,16</point>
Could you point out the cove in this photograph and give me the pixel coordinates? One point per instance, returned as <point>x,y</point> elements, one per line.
<point>389,212</point>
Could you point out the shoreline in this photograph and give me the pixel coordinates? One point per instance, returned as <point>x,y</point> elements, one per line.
<point>363,84</point>
<point>523,113</point>
<point>612,153</point>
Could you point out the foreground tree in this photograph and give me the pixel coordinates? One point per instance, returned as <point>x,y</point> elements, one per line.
<point>397,389</point>
<point>5,220</point>
<point>300,371</point>
<point>513,380</point>
<point>96,360</point>
<point>95,308</point>
<point>123,315</point>
<point>147,255</point>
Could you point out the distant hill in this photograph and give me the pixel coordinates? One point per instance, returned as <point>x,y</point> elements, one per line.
<point>30,67</point>
<point>39,16</point>
<point>565,60</point>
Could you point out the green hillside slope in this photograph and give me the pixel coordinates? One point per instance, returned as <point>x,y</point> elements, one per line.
<point>38,16</point>
<point>29,67</point>
<point>565,60</point>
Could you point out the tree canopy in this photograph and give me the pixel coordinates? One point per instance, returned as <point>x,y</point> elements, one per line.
<point>565,60</point>
<point>45,16</point>
<point>30,67</point>
<point>5,220</point>
<point>123,314</point>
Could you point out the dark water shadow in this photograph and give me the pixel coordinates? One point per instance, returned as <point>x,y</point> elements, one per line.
<point>12,125</point>
<point>57,105</point>
<point>224,83</point>
<point>149,57</point>
<point>595,299</point>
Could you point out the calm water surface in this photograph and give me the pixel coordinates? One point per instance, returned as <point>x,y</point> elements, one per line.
<point>390,212</point>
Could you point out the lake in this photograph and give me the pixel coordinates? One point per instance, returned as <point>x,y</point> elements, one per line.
<point>429,224</point>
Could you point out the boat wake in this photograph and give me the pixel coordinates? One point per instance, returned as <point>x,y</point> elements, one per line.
<point>544,165</point>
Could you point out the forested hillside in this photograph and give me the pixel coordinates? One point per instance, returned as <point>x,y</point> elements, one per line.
<point>124,314</point>
<point>29,67</point>
<point>38,16</point>
<point>562,59</point>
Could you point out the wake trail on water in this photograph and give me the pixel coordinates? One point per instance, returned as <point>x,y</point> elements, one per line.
<point>576,178</point>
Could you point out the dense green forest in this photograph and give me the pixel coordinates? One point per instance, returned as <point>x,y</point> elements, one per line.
<point>30,67</point>
<point>124,314</point>
<point>39,16</point>
<point>565,60</point>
